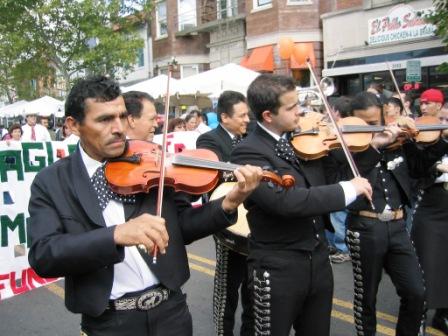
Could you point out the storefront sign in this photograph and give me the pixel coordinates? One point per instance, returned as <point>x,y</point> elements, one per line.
<point>403,22</point>
<point>413,71</point>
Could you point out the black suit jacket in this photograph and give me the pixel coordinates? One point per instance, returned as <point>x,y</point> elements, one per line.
<point>70,239</point>
<point>218,141</point>
<point>287,218</point>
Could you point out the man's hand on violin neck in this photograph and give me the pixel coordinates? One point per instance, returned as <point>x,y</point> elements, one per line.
<point>406,123</point>
<point>362,187</point>
<point>146,229</point>
<point>387,137</point>
<point>248,178</point>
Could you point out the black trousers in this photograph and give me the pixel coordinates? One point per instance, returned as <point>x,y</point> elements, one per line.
<point>170,318</point>
<point>375,245</point>
<point>291,289</point>
<point>230,276</point>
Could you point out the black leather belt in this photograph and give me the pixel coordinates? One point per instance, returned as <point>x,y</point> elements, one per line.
<point>149,299</point>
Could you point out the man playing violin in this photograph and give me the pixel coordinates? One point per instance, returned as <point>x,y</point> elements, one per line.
<point>231,268</point>
<point>82,231</point>
<point>429,228</point>
<point>376,236</point>
<point>289,270</point>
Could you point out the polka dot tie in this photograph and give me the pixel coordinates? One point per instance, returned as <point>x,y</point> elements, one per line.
<point>236,140</point>
<point>103,191</point>
<point>284,150</point>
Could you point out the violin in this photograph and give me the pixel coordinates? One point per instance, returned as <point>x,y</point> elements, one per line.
<point>192,171</point>
<point>316,138</point>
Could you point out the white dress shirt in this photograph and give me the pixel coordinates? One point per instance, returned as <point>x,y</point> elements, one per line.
<point>132,274</point>
<point>41,132</point>
<point>347,186</point>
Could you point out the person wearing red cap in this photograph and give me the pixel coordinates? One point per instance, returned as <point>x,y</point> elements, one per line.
<point>431,102</point>
<point>430,233</point>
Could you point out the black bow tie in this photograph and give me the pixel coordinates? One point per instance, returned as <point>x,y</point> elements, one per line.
<point>236,140</point>
<point>103,191</point>
<point>284,150</point>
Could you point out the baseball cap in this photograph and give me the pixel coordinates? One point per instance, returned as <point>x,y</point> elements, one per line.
<point>432,95</point>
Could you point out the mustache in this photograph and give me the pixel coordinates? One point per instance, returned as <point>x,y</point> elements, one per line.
<point>118,137</point>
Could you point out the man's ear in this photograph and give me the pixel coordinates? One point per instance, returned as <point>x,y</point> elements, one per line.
<point>267,116</point>
<point>73,125</point>
<point>131,121</point>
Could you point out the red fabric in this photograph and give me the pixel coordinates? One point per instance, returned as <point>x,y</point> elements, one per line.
<point>33,133</point>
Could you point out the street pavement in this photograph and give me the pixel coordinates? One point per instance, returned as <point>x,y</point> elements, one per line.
<point>41,312</point>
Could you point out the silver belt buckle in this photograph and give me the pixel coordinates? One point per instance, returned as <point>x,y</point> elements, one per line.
<point>152,298</point>
<point>386,215</point>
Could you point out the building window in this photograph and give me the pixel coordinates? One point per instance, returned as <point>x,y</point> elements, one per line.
<point>299,2</point>
<point>161,19</point>
<point>140,58</point>
<point>262,4</point>
<point>186,14</point>
<point>188,70</point>
<point>227,8</point>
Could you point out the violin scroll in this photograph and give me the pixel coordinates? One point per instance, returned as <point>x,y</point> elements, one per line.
<point>286,181</point>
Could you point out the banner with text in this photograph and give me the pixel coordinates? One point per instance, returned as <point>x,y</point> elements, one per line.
<point>19,163</point>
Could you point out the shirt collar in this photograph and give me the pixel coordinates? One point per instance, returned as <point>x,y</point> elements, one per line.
<point>231,135</point>
<point>274,135</point>
<point>90,164</point>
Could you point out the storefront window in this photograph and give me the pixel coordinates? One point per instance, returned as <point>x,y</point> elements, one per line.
<point>438,80</point>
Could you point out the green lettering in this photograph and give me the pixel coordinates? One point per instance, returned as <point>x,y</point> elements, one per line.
<point>49,146</point>
<point>7,224</point>
<point>10,160</point>
<point>71,148</point>
<point>26,147</point>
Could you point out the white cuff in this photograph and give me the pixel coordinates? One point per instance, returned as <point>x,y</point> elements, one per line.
<point>349,191</point>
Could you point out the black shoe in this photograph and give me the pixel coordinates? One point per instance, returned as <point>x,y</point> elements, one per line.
<point>440,323</point>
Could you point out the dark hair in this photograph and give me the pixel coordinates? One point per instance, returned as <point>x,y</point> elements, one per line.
<point>226,101</point>
<point>343,105</point>
<point>173,123</point>
<point>364,100</point>
<point>15,126</point>
<point>265,91</point>
<point>192,114</point>
<point>134,102</point>
<point>101,88</point>
<point>397,102</point>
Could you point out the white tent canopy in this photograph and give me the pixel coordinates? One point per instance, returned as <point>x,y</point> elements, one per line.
<point>227,77</point>
<point>155,86</point>
<point>44,107</point>
<point>13,110</point>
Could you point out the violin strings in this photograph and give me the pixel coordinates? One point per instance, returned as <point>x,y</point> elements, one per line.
<point>203,163</point>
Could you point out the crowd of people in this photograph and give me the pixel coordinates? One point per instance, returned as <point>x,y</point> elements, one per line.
<point>392,217</point>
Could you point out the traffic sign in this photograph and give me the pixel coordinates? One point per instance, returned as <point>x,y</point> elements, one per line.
<point>413,71</point>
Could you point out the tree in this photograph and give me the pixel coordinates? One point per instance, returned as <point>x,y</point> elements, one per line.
<point>68,38</point>
<point>439,19</point>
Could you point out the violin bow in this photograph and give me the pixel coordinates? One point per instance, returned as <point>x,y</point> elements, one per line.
<point>330,113</point>
<point>396,85</point>
<point>162,171</point>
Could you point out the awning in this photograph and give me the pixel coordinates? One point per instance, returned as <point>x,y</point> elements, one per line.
<point>260,59</point>
<point>306,49</point>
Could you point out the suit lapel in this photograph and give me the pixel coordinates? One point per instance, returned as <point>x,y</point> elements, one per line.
<point>226,142</point>
<point>84,190</point>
